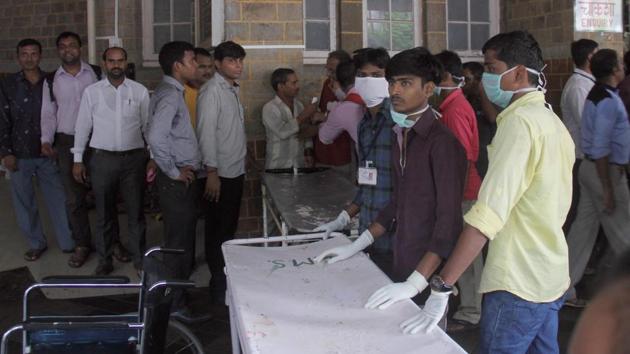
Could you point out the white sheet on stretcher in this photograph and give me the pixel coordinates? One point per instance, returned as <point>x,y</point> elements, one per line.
<point>285,303</point>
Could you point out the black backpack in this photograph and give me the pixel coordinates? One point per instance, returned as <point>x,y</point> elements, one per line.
<point>50,78</point>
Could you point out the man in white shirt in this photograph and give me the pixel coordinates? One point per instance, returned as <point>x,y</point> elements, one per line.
<point>282,117</point>
<point>114,111</point>
<point>572,103</point>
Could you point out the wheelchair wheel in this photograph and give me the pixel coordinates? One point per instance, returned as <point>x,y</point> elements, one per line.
<point>180,339</point>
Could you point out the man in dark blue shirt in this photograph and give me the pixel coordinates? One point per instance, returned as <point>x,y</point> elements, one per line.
<point>20,151</point>
<point>604,194</point>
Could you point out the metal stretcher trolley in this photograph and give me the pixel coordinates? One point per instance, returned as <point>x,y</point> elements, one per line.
<point>281,301</point>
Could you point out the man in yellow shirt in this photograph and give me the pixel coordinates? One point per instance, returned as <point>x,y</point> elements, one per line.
<point>522,204</point>
<point>205,71</point>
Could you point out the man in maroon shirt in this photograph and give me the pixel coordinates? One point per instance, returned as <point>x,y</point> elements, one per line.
<point>429,166</point>
<point>337,153</point>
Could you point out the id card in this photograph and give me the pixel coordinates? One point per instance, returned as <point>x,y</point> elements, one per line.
<point>368,175</point>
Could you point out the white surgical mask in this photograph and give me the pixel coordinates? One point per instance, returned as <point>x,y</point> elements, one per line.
<point>373,90</point>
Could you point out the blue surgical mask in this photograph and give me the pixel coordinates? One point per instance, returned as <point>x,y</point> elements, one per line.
<point>492,87</point>
<point>401,119</point>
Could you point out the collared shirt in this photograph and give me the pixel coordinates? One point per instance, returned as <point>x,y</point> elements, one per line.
<point>345,117</point>
<point>459,116</point>
<point>220,127</point>
<point>524,200</point>
<point>116,118</point>
<point>60,116</point>
<point>20,128</point>
<point>170,133</point>
<point>605,127</point>
<point>284,148</point>
<point>428,181</point>
<point>190,96</point>
<point>375,145</point>
<point>572,103</point>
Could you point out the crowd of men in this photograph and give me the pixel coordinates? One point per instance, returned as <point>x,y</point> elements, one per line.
<point>447,156</point>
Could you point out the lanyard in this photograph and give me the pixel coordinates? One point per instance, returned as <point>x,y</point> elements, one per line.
<point>373,142</point>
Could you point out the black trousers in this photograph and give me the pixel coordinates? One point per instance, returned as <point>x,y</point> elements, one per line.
<point>221,222</point>
<point>111,173</point>
<point>76,204</point>
<point>179,213</point>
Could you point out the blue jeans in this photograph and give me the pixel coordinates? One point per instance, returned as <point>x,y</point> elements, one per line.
<point>512,325</point>
<point>25,203</point>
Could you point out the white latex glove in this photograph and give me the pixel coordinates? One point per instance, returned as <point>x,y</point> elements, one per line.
<point>392,293</point>
<point>428,318</point>
<point>336,225</point>
<point>344,252</point>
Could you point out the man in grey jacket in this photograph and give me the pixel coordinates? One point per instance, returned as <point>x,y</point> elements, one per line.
<point>222,141</point>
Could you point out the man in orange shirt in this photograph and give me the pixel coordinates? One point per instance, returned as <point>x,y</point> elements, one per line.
<point>205,71</point>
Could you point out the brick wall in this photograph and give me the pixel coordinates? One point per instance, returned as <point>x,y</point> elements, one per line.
<point>265,23</point>
<point>551,23</point>
<point>39,19</point>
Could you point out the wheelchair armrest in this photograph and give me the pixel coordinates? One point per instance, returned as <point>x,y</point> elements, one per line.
<point>85,279</point>
<point>163,250</point>
<point>171,283</point>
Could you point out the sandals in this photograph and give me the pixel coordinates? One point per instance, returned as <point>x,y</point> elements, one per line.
<point>120,253</point>
<point>34,253</point>
<point>454,326</point>
<point>78,258</point>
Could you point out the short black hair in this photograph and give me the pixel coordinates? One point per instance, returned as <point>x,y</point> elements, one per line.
<point>173,52</point>
<point>475,67</point>
<point>417,62</point>
<point>228,49</point>
<point>26,42</point>
<point>68,34</point>
<point>450,62</point>
<point>375,56</point>
<point>341,55</point>
<point>604,63</point>
<point>280,76</point>
<point>119,48</point>
<point>203,52</point>
<point>345,73</point>
<point>517,48</point>
<point>580,50</point>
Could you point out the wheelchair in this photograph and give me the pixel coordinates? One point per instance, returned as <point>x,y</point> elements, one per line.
<point>147,331</point>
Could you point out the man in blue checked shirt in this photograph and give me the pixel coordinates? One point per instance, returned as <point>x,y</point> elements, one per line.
<point>604,195</point>
<point>373,148</point>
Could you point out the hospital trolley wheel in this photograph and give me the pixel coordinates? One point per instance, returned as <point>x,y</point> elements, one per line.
<point>180,339</point>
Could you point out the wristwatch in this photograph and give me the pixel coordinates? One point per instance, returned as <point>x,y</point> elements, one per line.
<point>438,285</point>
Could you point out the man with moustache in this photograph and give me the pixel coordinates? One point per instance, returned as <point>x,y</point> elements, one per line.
<point>222,141</point>
<point>60,105</point>
<point>205,71</point>
<point>113,117</point>
<point>20,151</point>
<point>284,117</point>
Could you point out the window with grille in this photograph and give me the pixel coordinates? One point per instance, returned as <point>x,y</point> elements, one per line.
<point>391,24</point>
<point>470,23</point>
